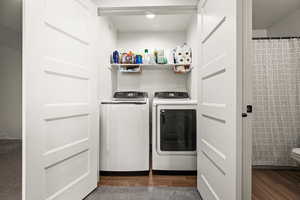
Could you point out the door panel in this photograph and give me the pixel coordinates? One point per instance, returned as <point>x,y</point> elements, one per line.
<point>213,15</point>
<point>61,86</point>
<point>64,47</point>
<point>219,158</point>
<point>60,90</point>
<point>67,173</point>
<point>75,14</point>
<point>65,131</point>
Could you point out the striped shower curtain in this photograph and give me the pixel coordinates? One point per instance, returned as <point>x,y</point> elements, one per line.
<point>276,93</point>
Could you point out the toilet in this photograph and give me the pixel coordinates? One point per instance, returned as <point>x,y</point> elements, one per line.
<point>296,155</point>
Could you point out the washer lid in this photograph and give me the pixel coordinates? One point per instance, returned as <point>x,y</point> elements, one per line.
<point>130,95</point>
<point>124,102</point>
<point>171,95</point>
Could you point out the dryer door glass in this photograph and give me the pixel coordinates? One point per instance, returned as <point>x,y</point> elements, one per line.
<point>177,130</point>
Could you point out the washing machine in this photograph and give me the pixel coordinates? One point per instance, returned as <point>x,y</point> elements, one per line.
<point>174,130</point>
<point>124,133</point>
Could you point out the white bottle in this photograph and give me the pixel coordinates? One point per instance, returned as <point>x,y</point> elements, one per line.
<point>147,58</point>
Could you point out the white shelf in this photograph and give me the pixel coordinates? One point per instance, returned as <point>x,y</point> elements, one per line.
<point>145,65</point>
<point>158,66</point>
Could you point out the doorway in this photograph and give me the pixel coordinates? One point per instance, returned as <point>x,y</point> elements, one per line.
<point>11,99</point>
<point>140,35</point>
<point>275,85</point>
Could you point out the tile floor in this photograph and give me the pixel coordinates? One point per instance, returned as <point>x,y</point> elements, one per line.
<point>11,170</point>
<point>144,193</point>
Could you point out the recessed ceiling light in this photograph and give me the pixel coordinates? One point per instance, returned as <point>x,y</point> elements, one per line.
<point>150,15</point>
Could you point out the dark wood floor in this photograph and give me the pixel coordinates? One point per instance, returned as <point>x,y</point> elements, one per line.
<point>266,184</point>
<point>275,185</point>
<point>151,180</point>
<point>10,169</point>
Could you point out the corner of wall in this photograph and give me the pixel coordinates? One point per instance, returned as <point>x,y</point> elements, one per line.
<point>288,26</point>
<point>192,40</point>
<point>11,70</point>
<point>107,37</point>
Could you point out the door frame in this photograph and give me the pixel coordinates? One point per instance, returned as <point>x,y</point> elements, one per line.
<point>247,100</point>
<point>29,58</point>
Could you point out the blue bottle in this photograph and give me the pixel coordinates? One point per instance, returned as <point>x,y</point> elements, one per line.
<point>116,57</point>
<point>138,59</point>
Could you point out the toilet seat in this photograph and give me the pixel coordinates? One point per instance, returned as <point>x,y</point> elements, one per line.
<point>296,154</point>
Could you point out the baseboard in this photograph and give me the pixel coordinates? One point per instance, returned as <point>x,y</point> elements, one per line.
<point>174,172</point>
<point>7,146</point>
<point>270,167</point>
<point>11,139</point>
<point>127,173</point>
<point>6,136</point>
<point>3,135</point>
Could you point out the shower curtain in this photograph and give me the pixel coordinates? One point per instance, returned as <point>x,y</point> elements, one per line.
<point>276,89</point>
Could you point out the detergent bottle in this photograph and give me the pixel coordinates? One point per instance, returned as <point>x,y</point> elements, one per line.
<point>147,58</point>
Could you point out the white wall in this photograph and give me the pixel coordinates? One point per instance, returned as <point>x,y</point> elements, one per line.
<point>266,12</point>
<point>150,40</point>
<point>10,69</point>
<point>151,79</point>
<point>193,42</point>
<point>288,26</point>
<point>106,43</point>
<point>260,33</point>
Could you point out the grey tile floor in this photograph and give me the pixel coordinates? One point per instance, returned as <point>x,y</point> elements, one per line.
<point>144,193</point>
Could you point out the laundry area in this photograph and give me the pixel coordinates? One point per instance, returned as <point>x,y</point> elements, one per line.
<point>148,114</point>
<point>149,108</point>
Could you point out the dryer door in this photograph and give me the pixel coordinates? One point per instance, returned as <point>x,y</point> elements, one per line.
<point>176,129</point>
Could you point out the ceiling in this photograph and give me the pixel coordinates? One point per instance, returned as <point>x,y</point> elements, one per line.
<point>268,12</point>
<point>144,3</point>
<point>159,23</point>
<point>265,14</point>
